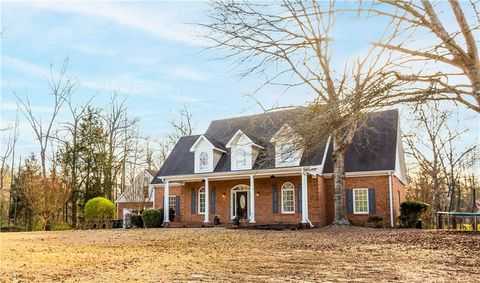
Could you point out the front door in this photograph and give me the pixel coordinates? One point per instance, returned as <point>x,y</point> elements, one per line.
<point>241,205</point>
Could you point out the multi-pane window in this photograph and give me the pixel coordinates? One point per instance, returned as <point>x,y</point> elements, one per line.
<point>203,160</point>
<point>360,201</point>
<point>288,198</point>
<point>172,202</point>
<point>201,201</point>
<point>241,156</point>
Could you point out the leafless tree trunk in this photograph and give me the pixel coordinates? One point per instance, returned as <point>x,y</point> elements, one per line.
<point>9,150</point>
<point>61,88</point>
<point>290,44</point>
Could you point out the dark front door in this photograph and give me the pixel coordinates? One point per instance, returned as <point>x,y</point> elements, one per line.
<point>241,205</point>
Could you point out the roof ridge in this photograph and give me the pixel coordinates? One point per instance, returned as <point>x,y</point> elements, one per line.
<point>258,114</point>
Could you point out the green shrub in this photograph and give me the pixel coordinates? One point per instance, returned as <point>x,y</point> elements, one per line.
<point>136,220</point>
<point>410,212</point>
<point>98,210</point>
<point>152,218</point>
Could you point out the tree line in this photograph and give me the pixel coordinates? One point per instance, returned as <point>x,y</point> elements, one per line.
<point>96,151</point>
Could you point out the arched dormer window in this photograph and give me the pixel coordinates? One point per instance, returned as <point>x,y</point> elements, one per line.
<point>201,200</point>
<point>203,160</point>
<point>288,198</point>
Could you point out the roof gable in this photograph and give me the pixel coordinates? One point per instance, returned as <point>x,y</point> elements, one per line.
<point>212,142</point>
<point>237,136</point>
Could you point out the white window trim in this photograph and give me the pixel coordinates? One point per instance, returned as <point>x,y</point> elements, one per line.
<point>198,194</point>
<point>281,199</point>
<point>233,199</point>
<point>353,199</point>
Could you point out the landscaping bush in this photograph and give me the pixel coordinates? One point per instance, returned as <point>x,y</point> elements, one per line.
<point>98,210</point>
<point>171,214</point>
<point>152,218</point>
<point>410,212</point>
<point>375,221</point>
<point>136,220</point>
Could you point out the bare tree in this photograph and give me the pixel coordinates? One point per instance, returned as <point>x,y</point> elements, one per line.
<point>451,47</point>
<point>61,87</point>
<point>439,160</point>
<point>290,44</point>
<point>8,146</point>
<point>181,127</point>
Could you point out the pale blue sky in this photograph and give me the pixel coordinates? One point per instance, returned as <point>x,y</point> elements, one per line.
<point>150,52</point>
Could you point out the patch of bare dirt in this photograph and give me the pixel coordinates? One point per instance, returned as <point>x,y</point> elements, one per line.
<point>156,255</point>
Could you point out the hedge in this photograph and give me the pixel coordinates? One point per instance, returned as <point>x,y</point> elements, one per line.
<point>410,212</point>
<point>152,218</point>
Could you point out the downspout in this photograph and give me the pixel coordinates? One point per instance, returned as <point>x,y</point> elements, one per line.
<point>390,194</point>
<point>306,200</point>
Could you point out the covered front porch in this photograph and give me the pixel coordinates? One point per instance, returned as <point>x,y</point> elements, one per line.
<point>287,196</point>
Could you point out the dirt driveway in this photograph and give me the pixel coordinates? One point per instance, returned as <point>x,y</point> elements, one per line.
<point>155,255</point>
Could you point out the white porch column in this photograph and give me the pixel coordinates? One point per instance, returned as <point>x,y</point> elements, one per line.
<point>252,199</point>
<point>304,197</point>
<point>166,193</point>
<point>207,201</point>
<point>153,196</point>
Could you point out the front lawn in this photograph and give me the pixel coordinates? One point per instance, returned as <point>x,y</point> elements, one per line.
<point>326,254</point>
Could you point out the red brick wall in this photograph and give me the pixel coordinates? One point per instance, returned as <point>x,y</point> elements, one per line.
<point>399,196</point>
<point>380,185</point>
<point>320,199</point>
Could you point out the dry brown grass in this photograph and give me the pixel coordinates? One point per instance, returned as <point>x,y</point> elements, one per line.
<point>153,255</point>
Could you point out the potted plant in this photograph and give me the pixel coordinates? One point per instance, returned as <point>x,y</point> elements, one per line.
<point>236,221</point>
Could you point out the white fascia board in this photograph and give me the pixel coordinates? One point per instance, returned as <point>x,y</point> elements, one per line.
<point>192,149</point>
<point>325,154</point>
<point>241,174</point>
<point>283,128</point>
<point>239,133</point>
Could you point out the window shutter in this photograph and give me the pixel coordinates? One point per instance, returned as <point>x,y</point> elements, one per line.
<point>371,201</point>
<point>212,201</point>
<point>193,201</point>
<point>275,199</point>
<point>299,197</point>
<point>350,201</point>
<point>177,205</point>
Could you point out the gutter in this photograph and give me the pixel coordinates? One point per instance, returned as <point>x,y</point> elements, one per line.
<point>390,194</point>
<point>237,174</point>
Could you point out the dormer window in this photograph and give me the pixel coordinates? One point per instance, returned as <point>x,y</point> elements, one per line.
<point>287,153</point>
<point>241,158</point>
<point>203,160</point>
<point>244,151</point>
<point>206,153</point>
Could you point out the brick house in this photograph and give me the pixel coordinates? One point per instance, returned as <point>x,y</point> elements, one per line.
<point>138,195</point>
<point>240,169</point>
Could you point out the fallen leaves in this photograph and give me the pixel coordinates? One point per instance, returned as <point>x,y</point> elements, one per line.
<point>327,254</point>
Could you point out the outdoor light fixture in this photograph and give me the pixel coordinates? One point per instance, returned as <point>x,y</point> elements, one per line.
<point>224,195</point>
<point>258,194</point>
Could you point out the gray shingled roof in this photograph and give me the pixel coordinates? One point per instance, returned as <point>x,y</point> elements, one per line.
<point>373,147</point>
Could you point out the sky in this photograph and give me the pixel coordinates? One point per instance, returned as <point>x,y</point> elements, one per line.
<point>151,52</point>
